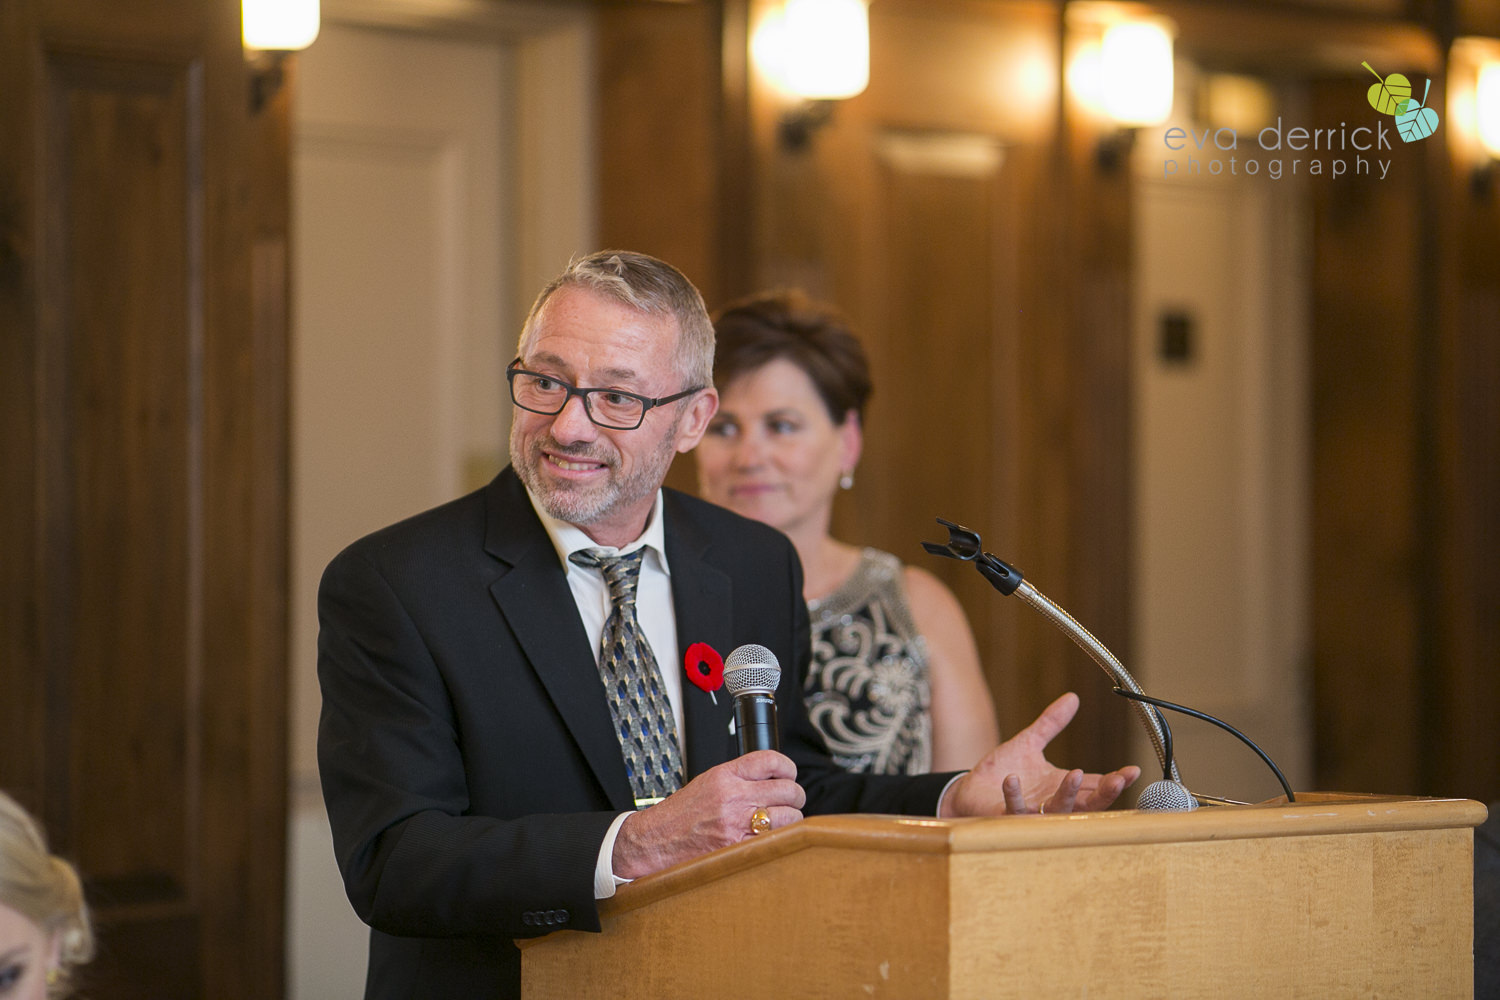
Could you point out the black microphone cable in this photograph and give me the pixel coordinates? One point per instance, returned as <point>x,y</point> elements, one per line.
<point>1160,703</point>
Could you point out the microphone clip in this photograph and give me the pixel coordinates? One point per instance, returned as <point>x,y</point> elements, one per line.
<point>963,544</point>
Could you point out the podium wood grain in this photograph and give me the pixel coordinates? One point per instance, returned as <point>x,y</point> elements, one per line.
<point>1337,895</point>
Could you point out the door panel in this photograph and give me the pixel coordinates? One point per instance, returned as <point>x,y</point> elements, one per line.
<point>121,488</point>
<point>403,337</point>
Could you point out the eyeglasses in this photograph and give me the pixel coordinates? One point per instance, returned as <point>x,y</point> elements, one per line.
<point>612,408</point>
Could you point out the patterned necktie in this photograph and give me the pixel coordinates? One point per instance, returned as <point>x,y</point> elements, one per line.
<point>638,700</point>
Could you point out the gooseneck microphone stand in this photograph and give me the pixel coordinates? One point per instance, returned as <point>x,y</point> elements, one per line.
<point>963,544</point>
<point>1169,793</point>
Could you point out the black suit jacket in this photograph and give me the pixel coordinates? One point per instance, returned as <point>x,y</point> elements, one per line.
<point>465,746</point>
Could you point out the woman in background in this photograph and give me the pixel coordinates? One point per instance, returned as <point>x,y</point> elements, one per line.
<point>44,922</point>
<point>895,685</point>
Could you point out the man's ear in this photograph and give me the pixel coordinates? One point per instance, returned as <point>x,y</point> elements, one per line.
<point>701,409</point>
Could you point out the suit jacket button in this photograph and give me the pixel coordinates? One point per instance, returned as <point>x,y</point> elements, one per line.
<point>528,918</point>
<point>562,916</point>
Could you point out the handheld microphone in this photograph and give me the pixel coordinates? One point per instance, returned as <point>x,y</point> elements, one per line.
<point>751,674</point>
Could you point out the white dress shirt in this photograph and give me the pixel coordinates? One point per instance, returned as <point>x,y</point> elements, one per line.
<point>653,609</point>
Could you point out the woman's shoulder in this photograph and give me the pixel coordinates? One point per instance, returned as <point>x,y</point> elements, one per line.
<point>933,605</point>
<point>918,585</point>
<point>876,561</point>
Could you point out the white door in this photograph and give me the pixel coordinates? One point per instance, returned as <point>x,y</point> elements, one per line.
<point>442,172</point>
<point>401,275</point>
<point>1221,486</point>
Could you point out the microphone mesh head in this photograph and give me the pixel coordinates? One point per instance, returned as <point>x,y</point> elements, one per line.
<point>753,669</point>
<point>1167,796</point>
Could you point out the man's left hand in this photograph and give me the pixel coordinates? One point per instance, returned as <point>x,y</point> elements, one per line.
<point>1016,777</point>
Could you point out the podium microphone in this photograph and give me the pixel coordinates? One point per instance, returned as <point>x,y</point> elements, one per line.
<point>963,544</point>
<point>751,674</point>
<point>1166,795</point>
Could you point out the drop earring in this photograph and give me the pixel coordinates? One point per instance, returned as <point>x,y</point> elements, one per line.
<point>846,481</point>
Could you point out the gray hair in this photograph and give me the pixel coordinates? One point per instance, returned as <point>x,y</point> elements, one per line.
<point>40,886</point>
<point>650,286</point>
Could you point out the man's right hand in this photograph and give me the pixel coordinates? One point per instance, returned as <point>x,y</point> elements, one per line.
<point>711,811</point>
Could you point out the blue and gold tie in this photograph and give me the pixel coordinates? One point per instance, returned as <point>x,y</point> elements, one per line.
<point>638,701</point>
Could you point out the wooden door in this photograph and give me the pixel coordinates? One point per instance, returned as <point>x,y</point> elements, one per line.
<point>143,427</point>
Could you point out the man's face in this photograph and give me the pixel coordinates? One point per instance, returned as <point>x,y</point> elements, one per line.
<point>603,480</point>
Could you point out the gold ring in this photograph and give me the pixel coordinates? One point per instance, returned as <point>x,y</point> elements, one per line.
<point>760,821</point>
<point>1041,810</point>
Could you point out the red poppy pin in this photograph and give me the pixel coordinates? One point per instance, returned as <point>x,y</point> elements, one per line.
<point>705,668</point>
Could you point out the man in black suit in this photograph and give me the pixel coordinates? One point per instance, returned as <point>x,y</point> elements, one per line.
<point>469,756</point>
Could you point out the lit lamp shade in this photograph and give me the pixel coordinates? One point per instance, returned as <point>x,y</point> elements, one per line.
<point>1135,73</point>
<point>280,25</point>
<point>1487,108</point>
<point>818,49</point>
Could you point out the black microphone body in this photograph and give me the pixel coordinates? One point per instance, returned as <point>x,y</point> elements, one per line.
<point>751,674</point>
<point>755,722</point>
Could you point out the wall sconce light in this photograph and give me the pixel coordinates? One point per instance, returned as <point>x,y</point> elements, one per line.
<point>1135,69</point>
<point>1474,110</point>
<point>272,30</point>
<point>279,25</point>
<point>1125,78</point>
<point>816,52</point>
<point>1487,108</point>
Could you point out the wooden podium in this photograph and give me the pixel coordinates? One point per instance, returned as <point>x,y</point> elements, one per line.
<point>1335,896</point>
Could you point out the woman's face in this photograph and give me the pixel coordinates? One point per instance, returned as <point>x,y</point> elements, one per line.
<point>26,952</point>
<point>772,452</point>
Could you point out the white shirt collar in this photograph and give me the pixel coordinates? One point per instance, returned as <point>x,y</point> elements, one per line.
<point>569,538</point>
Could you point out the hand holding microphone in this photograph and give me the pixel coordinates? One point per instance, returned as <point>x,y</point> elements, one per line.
<point>728,803</point>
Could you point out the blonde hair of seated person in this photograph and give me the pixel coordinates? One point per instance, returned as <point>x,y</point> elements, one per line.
<point>45,932</point>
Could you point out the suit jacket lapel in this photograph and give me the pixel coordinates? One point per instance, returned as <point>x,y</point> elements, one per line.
<point>703,598</point>
<point>534,598</point>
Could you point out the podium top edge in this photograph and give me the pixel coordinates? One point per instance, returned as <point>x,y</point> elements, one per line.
<point>1311,815</point>
<point>1321,814</point>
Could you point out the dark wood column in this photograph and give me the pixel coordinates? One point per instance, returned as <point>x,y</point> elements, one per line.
<point>143,221</point>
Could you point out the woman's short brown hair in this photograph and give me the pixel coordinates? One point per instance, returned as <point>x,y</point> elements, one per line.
<point>815,337</point>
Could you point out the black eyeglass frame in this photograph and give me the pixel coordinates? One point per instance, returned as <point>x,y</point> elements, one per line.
<point>648,403</point>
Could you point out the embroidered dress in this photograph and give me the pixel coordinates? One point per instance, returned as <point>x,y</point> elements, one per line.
<point>868,690</point>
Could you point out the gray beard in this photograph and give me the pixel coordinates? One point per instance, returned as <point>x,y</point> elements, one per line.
<point>584,506</point>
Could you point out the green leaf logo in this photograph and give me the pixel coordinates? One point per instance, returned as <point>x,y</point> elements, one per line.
<point>1415,121</point>
<point>1391,95</point>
